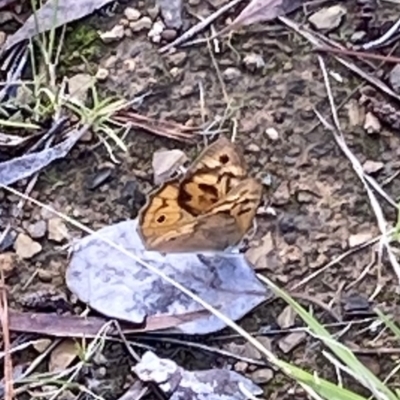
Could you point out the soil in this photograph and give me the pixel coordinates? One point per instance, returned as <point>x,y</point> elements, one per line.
<point>321,206</point>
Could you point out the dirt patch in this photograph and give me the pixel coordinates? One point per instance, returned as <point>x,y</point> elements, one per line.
<point>321,206</point>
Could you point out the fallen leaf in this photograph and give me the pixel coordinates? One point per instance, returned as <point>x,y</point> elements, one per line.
<point>25,247</point>
<point>178,383</point>
<point>264,10</point>
<point>63,355</point>
<point>115,285</point>
<point>23,167</point>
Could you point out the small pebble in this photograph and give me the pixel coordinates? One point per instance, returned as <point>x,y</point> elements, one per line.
<point>231,74</point>
<point>253,148</point>
<point>57,230</point>
<point>169,34</point>
<point>112,35</point>
<point>8,262</point>
<point>142,24</point>
<point>254,61</point>
<point>102,74</point>
<point>37,230</point>
<point>358,36</point>
<point>372,124</point>
<point>371,167</point>
<point>124,22</point>
<point>156,31</point>
<point>272,134</point>
<point>241,366</point>
<point>129,64</point>
<point>25,247</point>
<point>328,18</point>
<point>262,375</point>
<point>177,59</point>
<point>132,14</point>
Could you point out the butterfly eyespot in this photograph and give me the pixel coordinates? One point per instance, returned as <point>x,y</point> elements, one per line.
<point>224,159</point>
<point>161,219</point>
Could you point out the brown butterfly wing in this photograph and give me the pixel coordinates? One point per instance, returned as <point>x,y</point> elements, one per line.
<point>217,169</point>
<point>162,215</point>
<point>241,204</point>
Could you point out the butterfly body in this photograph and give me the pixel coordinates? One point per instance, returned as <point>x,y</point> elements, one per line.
<point>210,208</point>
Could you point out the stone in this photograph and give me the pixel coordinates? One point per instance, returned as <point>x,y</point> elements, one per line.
<point>25,247</point>
<point>132,14</point>
<point>115,34</point>
<point>143,24</point>
<point>328,18</point>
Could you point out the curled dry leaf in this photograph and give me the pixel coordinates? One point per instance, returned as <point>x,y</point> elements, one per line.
<point>177,383</point>
<point>115,285</point>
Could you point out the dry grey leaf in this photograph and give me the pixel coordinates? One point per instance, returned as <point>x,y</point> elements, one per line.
<point>115,285</point>
<point>265,10</point>
<point>177,383</point>
<point>23,167</point>
<point>52,14</point>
